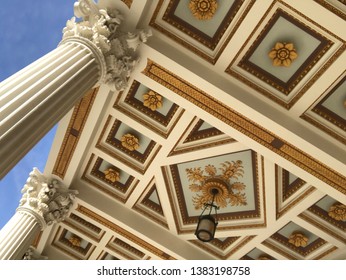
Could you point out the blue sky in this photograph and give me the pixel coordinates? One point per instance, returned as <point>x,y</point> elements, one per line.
<point>28,30</point>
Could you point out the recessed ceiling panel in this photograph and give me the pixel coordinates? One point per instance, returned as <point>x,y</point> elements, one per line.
<point>236,177</point>
<point>328,113</point>
<point>329,215</point>
<point>108,178</point>
<point>149,204</point>
<point>202,26</point>
<point>290,190</point>
<point>337,7</point>
<point>223,248</point>
<point>296,242</point>
<point>257,254</point>
<point>200,135</point>
<point>124,143</point>
<point>282,57</point>
<point>149,108</point>
<point>72,244</point>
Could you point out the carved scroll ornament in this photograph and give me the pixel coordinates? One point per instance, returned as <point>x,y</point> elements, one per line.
<point>102,28</point>
<point>49,199</point>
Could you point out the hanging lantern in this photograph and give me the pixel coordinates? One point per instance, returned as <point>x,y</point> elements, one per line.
<point>206,226</point>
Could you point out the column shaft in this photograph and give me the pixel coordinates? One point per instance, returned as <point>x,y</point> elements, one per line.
<point>17,235</point>
<point>33,100</point>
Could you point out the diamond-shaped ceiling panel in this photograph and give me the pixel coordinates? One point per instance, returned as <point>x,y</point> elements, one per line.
<point>235,176</point>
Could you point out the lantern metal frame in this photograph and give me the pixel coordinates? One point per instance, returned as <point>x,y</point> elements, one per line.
<point>207,224</point>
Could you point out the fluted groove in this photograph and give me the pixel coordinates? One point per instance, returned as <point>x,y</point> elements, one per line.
<point>17,235</point>
<point>35,99</point>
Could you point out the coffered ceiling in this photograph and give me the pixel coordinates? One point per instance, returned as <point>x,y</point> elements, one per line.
<point>245,96</point>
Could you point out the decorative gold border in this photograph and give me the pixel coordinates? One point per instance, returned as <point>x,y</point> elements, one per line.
<point>115,241</point>
<point>287,189</point>
<point>164,120</point>
<point>311,81</point>
<point>210,250</point>
<point>278,250</point>
<point>197,147</point>
<point>326,114</point>
<point>103,221</point>
<point>153,149</point>
<point>105,190</point>
<point>226,216</point>
<point>186,219</point>
<point>190,47</point>
<point>324,228</point>
<point>281,211</point>
<point>244,125</point>
<point>151,205</point>
<point>261,253</point>
<point>74,130</point>
<point>128,3</point>
<point>303,251</point>
<point>103,255</point>
<point>196,134</point>
<point>270,79</point>
<point>117,185</point>
<point>324,215</point>
<point>85,223</point>
<point>323,128</point>
<point>116,143</point>
<point>195,33</point>
<point>331,8</point>
<point>59,239</point>
<point>326,253</point>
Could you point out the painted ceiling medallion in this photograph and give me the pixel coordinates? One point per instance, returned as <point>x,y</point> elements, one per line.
<point>152,100</point>
<point>264,258</point>
<point>112,175</point>
<point>298,239</point>
<point>229,192</point>
<point>203,9</point>
<point>130,142</point>
<point>338,212</point>
<point>75,240</point>
<point>283,54</point>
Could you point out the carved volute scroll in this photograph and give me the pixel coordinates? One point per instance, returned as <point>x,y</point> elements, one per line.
<point>48,200</point>
<point>100,29</point>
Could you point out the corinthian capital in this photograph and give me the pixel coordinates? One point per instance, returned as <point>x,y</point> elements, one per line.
<point>102,28</point>
<point>49,200</point>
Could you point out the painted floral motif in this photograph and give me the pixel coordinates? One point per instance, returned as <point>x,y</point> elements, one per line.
<point>203,182</point>
<point>264,258</point>
<point>283,54</point>
<point>298,239</point>
<point>152,100</point>
<point>75,240</point>
<point>338,212</point>
<point>203,9</point>
<point>112,175</point>
<point>130,142</point>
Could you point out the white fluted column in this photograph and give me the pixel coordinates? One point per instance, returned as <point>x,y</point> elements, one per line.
<point>33,100</point>
<point>43,203</point>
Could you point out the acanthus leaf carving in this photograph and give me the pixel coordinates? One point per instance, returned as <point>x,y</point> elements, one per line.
<point>102,27</point>
<point>48,198</point>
